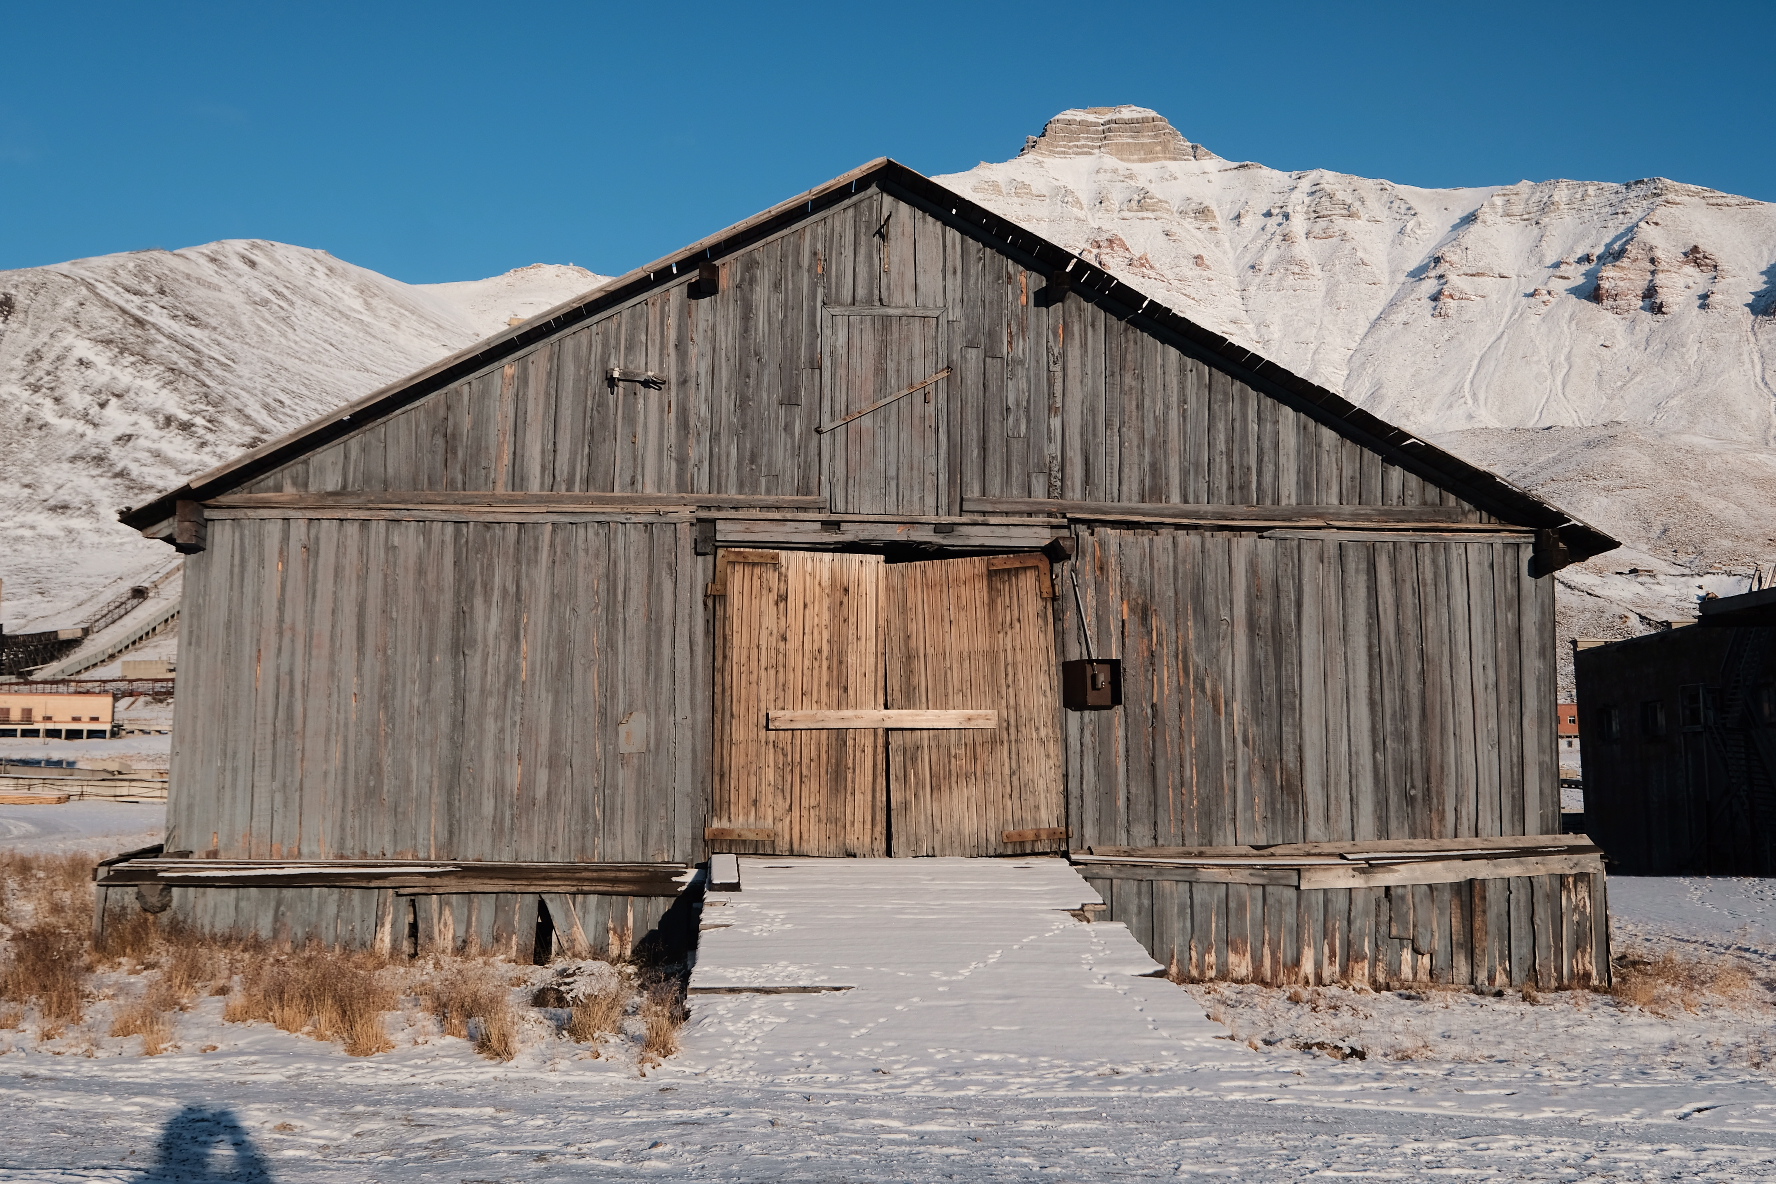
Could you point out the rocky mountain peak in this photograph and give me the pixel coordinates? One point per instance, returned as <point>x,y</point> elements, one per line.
<point>1137,135</point>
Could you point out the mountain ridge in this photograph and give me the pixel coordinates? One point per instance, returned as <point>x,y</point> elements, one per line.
<point>1610,346</point>
<point>124,374</point>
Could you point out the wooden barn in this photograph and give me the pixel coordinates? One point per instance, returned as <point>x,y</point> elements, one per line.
<point>875,526</point>
<point>1680,743</point>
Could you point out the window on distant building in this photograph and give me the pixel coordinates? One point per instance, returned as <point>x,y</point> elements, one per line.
<point>24,715</point>
<point>1652,719</point>
<point>5,715</point>
<point>1691,705</point>
<point>1763,704</point>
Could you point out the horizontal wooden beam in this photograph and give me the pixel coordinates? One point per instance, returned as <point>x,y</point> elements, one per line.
<point>1477,845</point>
<point>1217,515</point>
<point>402,499</point>
<point>1394,534</point>
<point>1447,871</point>
<point>1037,834</point>
<point>813,532</point>
<point>1270,876</point>
<point>802,721</point>
<point>1379,863</point>
<point>407,877</point>
<point>649,514</point>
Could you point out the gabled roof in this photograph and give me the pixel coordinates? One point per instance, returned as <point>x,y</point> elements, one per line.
<point>1483,489</point>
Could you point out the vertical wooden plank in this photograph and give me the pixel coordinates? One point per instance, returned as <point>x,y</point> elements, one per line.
<point>1506,566</point>
<point>1361,952</point>
<point>1489,716</point>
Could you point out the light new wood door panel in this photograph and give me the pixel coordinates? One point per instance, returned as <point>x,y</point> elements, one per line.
<point>974,634</point>
<point>801,631</point>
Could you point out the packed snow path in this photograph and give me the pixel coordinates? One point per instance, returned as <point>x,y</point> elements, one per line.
<point>937,974</point>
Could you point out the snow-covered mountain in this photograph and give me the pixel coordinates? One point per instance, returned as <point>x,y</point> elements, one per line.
<point>1611,346</point>
<point>120,376</point>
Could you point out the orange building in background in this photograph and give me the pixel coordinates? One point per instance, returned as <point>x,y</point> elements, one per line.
<point>26,716</point>
<point>1567,727</point>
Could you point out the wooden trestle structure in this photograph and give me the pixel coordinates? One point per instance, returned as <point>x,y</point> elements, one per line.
<point>783,543</point>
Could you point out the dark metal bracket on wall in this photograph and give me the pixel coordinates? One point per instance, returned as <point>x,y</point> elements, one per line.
<point>646,378</point>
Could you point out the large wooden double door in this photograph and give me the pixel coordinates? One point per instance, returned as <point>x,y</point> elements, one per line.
<point>867,708</point>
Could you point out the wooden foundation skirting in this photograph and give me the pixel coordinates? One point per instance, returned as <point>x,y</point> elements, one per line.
<point>1491,913</point>
<point>391,922</point>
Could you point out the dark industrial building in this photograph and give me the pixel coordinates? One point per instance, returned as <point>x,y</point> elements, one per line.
<point>785,544</point>
<point>1680,743</point>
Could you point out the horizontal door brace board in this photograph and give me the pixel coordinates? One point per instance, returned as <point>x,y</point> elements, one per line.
<point>1394,534</point>
<point>881,403</point>
<point>1035,834</point>
<point>409,877</point>
<point>401,499</point>
<point>746,834</point>
<point>814,532</point>
<point>1268,516</point>
<point>802,721</point>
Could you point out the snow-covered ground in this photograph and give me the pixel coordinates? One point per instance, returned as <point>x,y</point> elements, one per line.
<point>1136,1084</point>
<point>103,828</point>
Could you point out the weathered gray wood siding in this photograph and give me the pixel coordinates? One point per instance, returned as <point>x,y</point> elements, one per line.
<point>1299,689</point>
<point>1057,400</point>
<point>359,686</point>
<point>444,689</point>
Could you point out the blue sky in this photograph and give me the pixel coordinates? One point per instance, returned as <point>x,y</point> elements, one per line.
<point>451,141</point>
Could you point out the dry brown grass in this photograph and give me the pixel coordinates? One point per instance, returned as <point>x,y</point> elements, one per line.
<point>131,935</point>
<point>46,902</point>
<point>327,994</point>
<point>595,1016</point>
<point>664,1012</point>
<point>472,1000</point>
<point>1662,982</point>
<point>48,955</point>
<point>148,1018</point>
<point>46,966</point>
